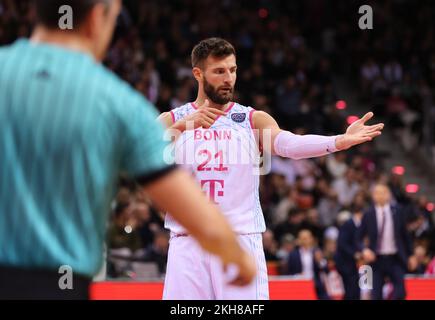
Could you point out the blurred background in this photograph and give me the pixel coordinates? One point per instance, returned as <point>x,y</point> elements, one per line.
<point>311,66</point>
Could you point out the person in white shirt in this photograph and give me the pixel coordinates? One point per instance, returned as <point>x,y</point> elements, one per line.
<point>336,165</point>
<point>346,188</point>
<point>307,260</point>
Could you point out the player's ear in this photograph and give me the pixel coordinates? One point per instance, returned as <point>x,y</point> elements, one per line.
<point>197,73</point>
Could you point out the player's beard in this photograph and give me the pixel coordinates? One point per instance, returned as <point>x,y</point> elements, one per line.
<point>217,95</point>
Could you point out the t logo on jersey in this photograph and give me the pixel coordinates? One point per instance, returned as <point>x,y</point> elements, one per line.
<point>212,188</point>
<point>238,117</point>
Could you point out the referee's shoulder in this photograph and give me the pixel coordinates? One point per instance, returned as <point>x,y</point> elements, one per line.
<point>119,90</point>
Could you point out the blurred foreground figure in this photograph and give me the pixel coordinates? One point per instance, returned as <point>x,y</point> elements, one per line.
<point>68,127</point>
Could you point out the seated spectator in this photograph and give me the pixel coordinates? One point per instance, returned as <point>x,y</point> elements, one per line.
<point>278,187</point>
<point>312,223</point>
<point>393,72</point>
<point>123,231</point>
<point>397,187</point>
<point>287,244</point>
<point>306,171</point>
<point>396,105</point>
<point>328,207</point>
<point>288,100</point>
<point>270,246</point>
<point>430,270</point>
<point>330,242</point>
<point>332,279</point>
<point>145,226</point>
<point>307,260</point>
<point>123,196</point>
<point>369,72</point>
<point>420,227</point>
<point>336,165</point>
<point>422,259</point>
<point>283,166</point>
<point>158,251</point>
<point>346,188</point>
<point>280,212</point>
<point>124,241</point>
<point>422,209</point>
<point>292,225</point>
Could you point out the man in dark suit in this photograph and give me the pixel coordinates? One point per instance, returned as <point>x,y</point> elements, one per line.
<point>307,260</point>
<point>388,245</point>
<point>347,254</point>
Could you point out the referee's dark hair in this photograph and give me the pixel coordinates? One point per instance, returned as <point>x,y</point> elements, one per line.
<point>47,11</point>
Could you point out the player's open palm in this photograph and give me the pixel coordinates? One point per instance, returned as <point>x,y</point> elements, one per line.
<point>358,132</point>
<point>204,117</point>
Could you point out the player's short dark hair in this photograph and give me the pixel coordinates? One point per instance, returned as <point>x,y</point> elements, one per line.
<point>215,47</point>
<point>47,11</point>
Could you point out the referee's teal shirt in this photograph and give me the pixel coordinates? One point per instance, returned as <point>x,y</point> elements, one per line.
<point>68,126</point>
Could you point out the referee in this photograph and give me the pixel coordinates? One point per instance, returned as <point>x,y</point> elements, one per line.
<point>67,128</point>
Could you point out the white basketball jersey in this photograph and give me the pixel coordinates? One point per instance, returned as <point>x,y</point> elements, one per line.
<point>225,161</point>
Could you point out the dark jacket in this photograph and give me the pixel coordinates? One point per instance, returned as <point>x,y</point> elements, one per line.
<point>369,229</point>
<point>347,246</point>
<point>295,267</point>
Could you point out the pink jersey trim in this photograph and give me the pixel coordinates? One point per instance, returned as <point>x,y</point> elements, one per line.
<point>228,109</point>
<point>230,106</point>
<point>172,116</point>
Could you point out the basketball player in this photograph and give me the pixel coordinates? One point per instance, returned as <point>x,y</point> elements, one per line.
<point>216,145</point>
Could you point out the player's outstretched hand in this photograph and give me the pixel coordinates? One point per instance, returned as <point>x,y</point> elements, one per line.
<point>246,269</point>
<point>204,117</point>
<point>358,132</point>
